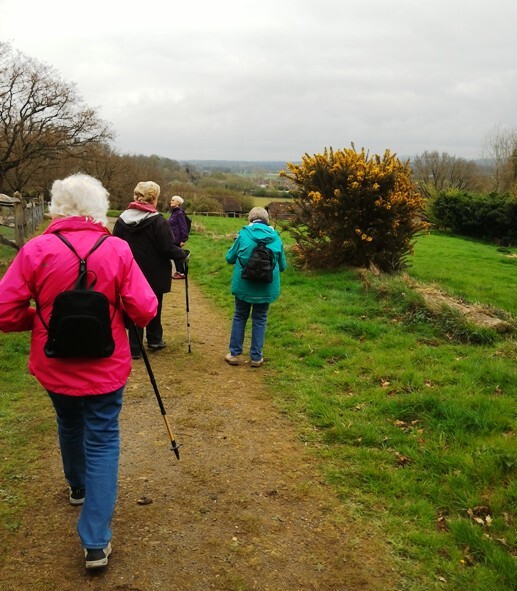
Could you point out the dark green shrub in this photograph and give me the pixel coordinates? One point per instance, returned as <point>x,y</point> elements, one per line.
<point>490,217</point>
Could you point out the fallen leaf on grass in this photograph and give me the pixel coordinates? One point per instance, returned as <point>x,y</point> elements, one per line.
<point>480,515</point>
<point>441,524</point>
<point>402,460</point>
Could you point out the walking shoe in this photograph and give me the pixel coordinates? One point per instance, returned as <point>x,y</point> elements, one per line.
<point>258,363</point>
<point>156,346</point>
<point>178,275</point>
<point>97,558</point>
<point>76,496</point>
<point>232,359</point>
<point>136,356</point>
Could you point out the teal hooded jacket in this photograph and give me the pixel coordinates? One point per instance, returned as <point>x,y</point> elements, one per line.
<point>238,254</point>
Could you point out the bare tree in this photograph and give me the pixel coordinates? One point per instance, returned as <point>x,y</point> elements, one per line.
<point>128,170</point>
<point>443,171</point>
<point>42,119</point>
<point>500,147</point>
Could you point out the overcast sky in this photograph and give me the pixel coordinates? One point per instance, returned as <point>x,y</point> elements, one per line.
<point>274,79</point>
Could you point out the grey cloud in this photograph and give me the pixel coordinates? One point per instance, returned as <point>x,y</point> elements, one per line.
<point>273,80</point>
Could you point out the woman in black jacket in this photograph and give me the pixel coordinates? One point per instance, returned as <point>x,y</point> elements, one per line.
<point>152,243</point>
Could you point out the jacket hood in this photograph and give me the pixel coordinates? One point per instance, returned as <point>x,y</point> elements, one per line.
<point>136,220</point>
<point>262,232</point>
<point>73,224</point>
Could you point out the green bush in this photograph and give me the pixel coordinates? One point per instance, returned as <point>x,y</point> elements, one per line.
<point>203,203</point>
<point>490,217</point>
<point>353,209</point>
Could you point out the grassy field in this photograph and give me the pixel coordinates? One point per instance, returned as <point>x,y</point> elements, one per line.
<point>412,423</point>
<point>264,201</point>
<point>472,270</point>
<point>410,414</point>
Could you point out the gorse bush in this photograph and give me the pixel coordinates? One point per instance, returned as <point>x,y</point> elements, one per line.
<point>351,208</point>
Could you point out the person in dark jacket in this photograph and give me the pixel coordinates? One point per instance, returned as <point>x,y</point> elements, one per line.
<point>152,243</point>
<point>179,227</point>
<point>250,297</point>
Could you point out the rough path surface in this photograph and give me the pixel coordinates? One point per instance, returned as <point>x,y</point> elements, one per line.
<point>244,509</point>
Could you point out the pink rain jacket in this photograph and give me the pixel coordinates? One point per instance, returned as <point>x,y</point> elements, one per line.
<point>45,267</point>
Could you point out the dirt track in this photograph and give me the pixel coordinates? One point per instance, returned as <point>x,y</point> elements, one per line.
<point>244,508</point>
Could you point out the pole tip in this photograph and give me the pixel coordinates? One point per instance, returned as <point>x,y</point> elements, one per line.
<point>176,449</point>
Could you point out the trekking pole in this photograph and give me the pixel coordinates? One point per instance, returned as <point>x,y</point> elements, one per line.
<point>185,266</point>
<point>174,445</point>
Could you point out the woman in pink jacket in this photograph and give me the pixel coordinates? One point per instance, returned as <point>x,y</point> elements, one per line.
<point>86,393</point>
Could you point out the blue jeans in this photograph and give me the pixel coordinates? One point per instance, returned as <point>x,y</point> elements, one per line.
<point>89,439</point>
<point>258,328</point>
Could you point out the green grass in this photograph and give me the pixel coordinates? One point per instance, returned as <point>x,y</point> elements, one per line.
<point>25,421</point>
<point>264,201</point>
<point>410,412</point>
<point>472,270</point>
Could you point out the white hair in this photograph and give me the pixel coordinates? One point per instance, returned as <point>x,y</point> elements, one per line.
<point>177,198</point>
<point>79,195</point>
<point>258,213</point>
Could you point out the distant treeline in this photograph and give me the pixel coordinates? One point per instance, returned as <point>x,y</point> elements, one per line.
<point>237,166</point>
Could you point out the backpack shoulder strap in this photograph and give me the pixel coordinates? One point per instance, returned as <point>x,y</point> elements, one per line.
<point>94,247</point>
<point>257,242</point>
<point>97,244</point>
<point>81,278</point>
<point>67,242</point>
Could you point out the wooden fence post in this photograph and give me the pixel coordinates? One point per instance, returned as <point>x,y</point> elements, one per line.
<point>19,220</point>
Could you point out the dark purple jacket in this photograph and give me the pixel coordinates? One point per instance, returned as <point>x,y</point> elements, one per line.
<point>178,225</point>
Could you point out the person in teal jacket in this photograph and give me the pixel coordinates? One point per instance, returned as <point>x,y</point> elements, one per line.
<point>251,296</point>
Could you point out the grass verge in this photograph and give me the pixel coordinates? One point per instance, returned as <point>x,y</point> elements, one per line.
<point>26,422</point>
<point>410,412</point>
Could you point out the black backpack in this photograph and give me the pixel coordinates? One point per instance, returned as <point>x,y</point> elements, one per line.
<point>189,223</point>
<point>80,322</point>
<point>260,265</point>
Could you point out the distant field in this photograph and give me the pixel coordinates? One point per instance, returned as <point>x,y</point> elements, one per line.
<point>263,201</point>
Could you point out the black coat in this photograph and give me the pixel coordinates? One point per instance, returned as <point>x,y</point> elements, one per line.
<point>152,244</point>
